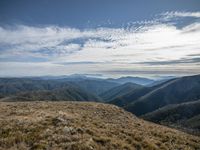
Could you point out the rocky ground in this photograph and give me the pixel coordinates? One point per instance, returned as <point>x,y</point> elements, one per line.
<point>85,126</point>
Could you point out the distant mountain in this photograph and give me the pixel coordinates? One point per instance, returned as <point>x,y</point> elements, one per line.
<point>69,77</point>
<point>160,81</point>
<point>130,97</point>
<point>37,89</point>
<point>51,87</point>
<point>119,91</point>
<point>90,84</point>
<point>175,91</point>
<point>95,86</point>
<point>14,85</point>
<point>137,80</point>
<point>185,116</point>
<point>60,94</point>
<point>148,99</point>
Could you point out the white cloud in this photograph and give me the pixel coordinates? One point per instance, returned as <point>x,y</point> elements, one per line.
<point>174,14</point>
<point>114,48</point>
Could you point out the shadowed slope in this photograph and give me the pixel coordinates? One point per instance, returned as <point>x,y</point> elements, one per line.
<point>28,89</point>
<point>119,91</point>
<point>184,115</point>
<point>175,91</point>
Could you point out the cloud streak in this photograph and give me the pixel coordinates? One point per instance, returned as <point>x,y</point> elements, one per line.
<point>174,14</point>
<point>195,60</point>
<point>92,50</point>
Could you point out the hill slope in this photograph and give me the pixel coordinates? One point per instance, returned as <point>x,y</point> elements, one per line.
<point>134,95</point>
<point>64,94</point>
<point>15,89</point>
<point>175,91</point>
<point>80,126</point>
<point>119,91</point>
<point>130,97</point>
<point>184,115</point>
<point>96,86</point>
<point>13,86</point>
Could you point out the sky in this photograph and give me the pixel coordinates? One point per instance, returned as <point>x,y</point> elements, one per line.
<point>109,38</point>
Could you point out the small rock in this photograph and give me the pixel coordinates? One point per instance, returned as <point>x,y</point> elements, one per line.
<point>68,129</point>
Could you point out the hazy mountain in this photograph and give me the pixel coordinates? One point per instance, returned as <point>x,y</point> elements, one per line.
<point>137,80</point>
<point>175,91</point>
<point>129,97</point>
<point>95,86</point>
<point>119,91</point>
<point>89,84</point>
<point>51,88</point>
<point>84,126</point>
<point>132,96</point>
<point>184,116</point>
<point>159,81</point>
<point>71,77</point>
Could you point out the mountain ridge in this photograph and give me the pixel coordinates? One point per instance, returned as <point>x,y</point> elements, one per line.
<point>119,91</point>
<point>178,115</point>
<point>136,80</point>
<point>173,91</point>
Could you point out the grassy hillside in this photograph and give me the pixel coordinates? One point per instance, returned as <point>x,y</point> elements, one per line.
<point>184,115</point>
<point>119,91</point>
<point>81,126</point>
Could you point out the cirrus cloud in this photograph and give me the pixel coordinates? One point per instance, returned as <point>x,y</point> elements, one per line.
<point>71,50</point>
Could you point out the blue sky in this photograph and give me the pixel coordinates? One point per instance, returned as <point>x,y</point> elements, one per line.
<point>110,37</point>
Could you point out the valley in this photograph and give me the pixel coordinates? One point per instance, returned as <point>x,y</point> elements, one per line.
<point>85,108</point>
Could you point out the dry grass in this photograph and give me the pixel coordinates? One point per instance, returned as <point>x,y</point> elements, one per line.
<point>85,126</point>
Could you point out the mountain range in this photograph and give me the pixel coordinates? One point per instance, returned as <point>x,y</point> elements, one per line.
<point>174,91</point>
<point>16,88</point>
<point>174,103</point>
<point>153,100</point>
<point>119,91</point>
<point>137,80</point>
